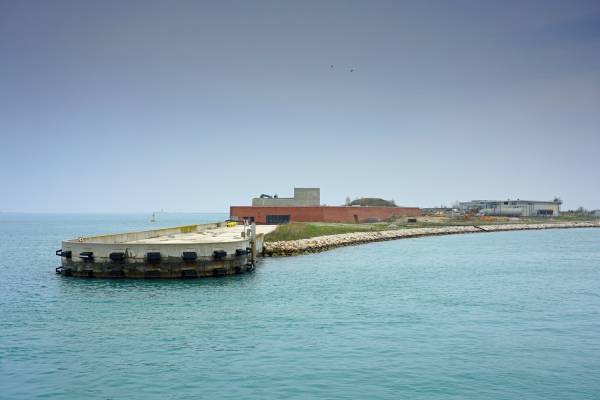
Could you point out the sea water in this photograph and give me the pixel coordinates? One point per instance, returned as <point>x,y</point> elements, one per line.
<point>483,316</point>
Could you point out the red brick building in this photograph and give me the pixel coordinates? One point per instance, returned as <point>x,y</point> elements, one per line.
<point>345,214</point>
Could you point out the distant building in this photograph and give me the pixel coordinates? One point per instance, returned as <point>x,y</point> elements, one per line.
<point>513,208</point>
<point>302,197</point>
<point>305,207</point>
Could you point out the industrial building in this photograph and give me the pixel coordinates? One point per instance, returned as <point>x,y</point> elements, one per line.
<point>302,197</point>
<point>513,208</point>
<point>305,207</point>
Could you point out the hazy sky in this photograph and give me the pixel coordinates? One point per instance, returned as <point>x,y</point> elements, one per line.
<point>194,106</point>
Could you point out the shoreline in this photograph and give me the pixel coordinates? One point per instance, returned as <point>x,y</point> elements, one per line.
<point>323,243</point>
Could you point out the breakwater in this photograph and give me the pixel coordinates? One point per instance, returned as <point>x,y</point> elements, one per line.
<point>323,243</point>
<point>190,251</point>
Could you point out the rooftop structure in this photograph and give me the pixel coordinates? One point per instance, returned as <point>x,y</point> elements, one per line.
<point>302,197</point>
<point>371,202</point>
<point>514,208</point>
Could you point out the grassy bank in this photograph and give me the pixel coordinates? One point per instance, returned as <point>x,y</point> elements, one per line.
<point>305,230</point>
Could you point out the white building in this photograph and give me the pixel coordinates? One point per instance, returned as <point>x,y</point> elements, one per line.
<point>513,208</point>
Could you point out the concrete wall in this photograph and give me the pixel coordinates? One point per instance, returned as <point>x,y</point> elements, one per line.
<point>103,245</point>
<point>310,196</point>
<point>140,235</point>
<point>137,251</point>
<point>324,213</point>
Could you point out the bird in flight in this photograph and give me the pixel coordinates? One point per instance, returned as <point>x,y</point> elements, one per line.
<point>350,70</point>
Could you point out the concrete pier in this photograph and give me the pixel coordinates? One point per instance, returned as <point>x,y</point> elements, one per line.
<point>191,251</point>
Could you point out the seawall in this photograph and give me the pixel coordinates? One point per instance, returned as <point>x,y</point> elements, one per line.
<point>323,243</point>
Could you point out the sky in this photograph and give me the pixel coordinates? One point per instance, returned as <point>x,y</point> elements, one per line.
<point>136,106</point>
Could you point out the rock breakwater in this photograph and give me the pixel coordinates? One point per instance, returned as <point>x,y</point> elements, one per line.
<point>322,243</point>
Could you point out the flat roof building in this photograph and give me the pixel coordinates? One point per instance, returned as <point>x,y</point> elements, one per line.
<point>305,207</point>
<point>513,208</point>
<point>302,197</point>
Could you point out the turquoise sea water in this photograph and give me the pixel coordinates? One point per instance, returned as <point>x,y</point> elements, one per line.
<point>485,316</point>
